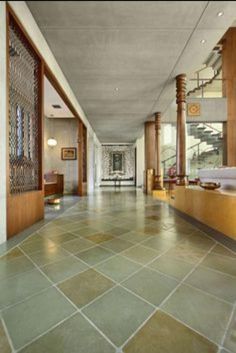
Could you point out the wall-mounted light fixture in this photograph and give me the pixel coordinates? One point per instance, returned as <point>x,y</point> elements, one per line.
<point>52,142</point>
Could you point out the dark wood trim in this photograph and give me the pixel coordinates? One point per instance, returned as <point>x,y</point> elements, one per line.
<point>54,82</point>
<point>82,185</point>
<point>80,158</point>
<point>41,137</point>
<point>7,101</point>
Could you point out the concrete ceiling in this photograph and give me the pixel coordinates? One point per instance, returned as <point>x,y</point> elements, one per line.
<point>136,46</point>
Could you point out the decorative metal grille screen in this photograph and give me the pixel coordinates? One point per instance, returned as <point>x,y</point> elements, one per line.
<point>24,113</point>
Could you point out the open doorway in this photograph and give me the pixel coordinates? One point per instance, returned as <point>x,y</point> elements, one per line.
<point>60,145</point>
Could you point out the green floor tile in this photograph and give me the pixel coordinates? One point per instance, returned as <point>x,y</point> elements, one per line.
<point>230,341</point>
<point>150,285</point>
<point>47,256</point>
<point>67,267</point>
<point>14,266</point>
<point>118,268</point>
<point>51,231</point>
<point>220,263</point>
<point>118,314</point>
<point>140,254</point>
<point>27,320</point>
<point>17,288</point>
<point>163,334</point>
<point>117,245</point>
<point>75,335</point>
<point>172,267</point>
<point>187,253</point>
<point>216,283</point>
<point>85,287</point>
<point>36,243</point>
<point>63,238</point>
<point>135,237</point>
<point>200,311</point>
<point>86,231</point>
<point>221,250</point>
<point>77,245</point>
<point>94,255</point>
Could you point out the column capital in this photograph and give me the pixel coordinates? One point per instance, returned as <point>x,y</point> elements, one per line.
<point>181,88</point>
<point>157,120</point>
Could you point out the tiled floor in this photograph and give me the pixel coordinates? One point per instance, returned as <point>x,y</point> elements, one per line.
<point>118,272</point>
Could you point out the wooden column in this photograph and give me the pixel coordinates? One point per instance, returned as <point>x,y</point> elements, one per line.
<point>149,145</point>
<point>158,183</point>
<point>229,90</point>
<point>181,129</point>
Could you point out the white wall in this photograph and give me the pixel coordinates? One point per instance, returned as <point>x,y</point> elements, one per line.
<point>140,160</point>
<point>66,134</point>
<point>212,110</point>
<point>3,202</point>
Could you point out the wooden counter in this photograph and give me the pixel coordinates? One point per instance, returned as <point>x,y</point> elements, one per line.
<point>216,209</point>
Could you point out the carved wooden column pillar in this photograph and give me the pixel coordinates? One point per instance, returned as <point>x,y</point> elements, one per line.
<point>158,185</point>
<point>229,90</point>
<point>181,129</point>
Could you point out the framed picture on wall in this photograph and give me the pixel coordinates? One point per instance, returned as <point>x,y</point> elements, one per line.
<point>68,153</point>
<point>117,163</point>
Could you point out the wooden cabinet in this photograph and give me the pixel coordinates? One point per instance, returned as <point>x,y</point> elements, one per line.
<point>54,184</point>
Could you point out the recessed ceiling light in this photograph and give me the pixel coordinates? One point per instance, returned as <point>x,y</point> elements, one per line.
<point>203,41</point>
<point>116,89</point>
<point>56,106</point>
<point>221,13</point>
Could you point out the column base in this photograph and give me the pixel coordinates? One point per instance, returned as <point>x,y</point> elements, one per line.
<point>159,194</point>
<point>158,183</point>
<point>182,180</point>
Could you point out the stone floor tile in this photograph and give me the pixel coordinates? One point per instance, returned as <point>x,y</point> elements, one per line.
<point>94,255</point>
<point>216,283</point>
<point>27,320</point>
<point>4,344</point>
<point>75,335</point>
<point>163,334</point>
<point>118,314</point>
<point>62,269</point>
<point>140,254</point>
<point>150,285</point>
<point>118,268</point>
<point>85,287</point>
<point>220,263</point>
<point>202,312</point>
<point>172,267</point>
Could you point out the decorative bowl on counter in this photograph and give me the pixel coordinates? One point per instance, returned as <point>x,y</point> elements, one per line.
<point>210,185</point>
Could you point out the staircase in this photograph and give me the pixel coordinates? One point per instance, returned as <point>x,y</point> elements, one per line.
<point>205,150</point>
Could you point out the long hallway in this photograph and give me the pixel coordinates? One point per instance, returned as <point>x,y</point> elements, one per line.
<point>118,272</point>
